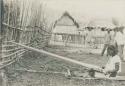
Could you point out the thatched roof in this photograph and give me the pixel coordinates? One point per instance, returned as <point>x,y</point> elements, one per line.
<point>66,14</point>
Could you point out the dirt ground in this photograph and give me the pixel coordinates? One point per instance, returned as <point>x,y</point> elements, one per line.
<point>45,79</point>
<point>50,66</point>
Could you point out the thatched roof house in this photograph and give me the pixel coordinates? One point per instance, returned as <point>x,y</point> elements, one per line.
<point>66,30</point>
<point>66,24</point>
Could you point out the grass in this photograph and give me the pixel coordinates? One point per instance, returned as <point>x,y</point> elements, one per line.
<point>40,62</point>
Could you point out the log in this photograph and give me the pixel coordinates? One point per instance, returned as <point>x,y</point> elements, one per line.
<point>10,50</point>
<point>97,68</point>
<point>9,45</point>
<point>11,62</point>
<point>12,54</point>
<point>4,78</point>
<point>12,27</point>
<point>3,62</point>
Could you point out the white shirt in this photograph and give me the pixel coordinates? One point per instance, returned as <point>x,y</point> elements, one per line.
<point>107,38</point>
<point>120,38</point>
<point>111,63</point>
<point>89,36</point>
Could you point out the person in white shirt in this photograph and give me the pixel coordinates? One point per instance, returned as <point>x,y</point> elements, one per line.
<point>120,40</point>
<point>89,36</point>
<point>113,66</point>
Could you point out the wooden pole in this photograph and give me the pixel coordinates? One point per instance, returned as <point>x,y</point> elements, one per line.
<point>4,78</point>
<point>1,8</point>
<point>8,22</point>
<point>96,68</point>
<point>1,28</point>
<point>2,71</point>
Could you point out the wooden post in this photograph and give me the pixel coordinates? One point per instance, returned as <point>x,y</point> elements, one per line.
<point>1,29</point>
<point>3,78</point>
<point>8,21</point>
<point>0,38</point>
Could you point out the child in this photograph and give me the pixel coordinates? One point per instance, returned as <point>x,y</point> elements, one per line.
<point>114,64</point>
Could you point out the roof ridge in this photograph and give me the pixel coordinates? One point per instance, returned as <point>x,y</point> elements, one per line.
<point>67,14</point>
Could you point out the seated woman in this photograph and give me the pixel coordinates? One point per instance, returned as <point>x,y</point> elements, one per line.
<point>114,64</point>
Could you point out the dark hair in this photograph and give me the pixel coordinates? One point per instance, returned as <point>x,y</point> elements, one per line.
<point>92,73</point>
<point>112,50</point>
<point>102,29</point>
<point>108,31</point>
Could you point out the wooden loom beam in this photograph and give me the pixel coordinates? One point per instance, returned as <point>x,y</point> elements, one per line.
<point>97,68</point>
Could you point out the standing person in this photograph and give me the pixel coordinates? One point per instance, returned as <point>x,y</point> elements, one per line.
<point>107,42</point>
<point>89,36</point>
<point>84,36</point>
<point>120,40</point>
<point>113,35</point>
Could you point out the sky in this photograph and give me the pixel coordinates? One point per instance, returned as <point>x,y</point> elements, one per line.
<point>91,9</point>
<point>84,10</point>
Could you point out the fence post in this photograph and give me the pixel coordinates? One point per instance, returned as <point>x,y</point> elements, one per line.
<point>1,29</point>
<point>3,78</point>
